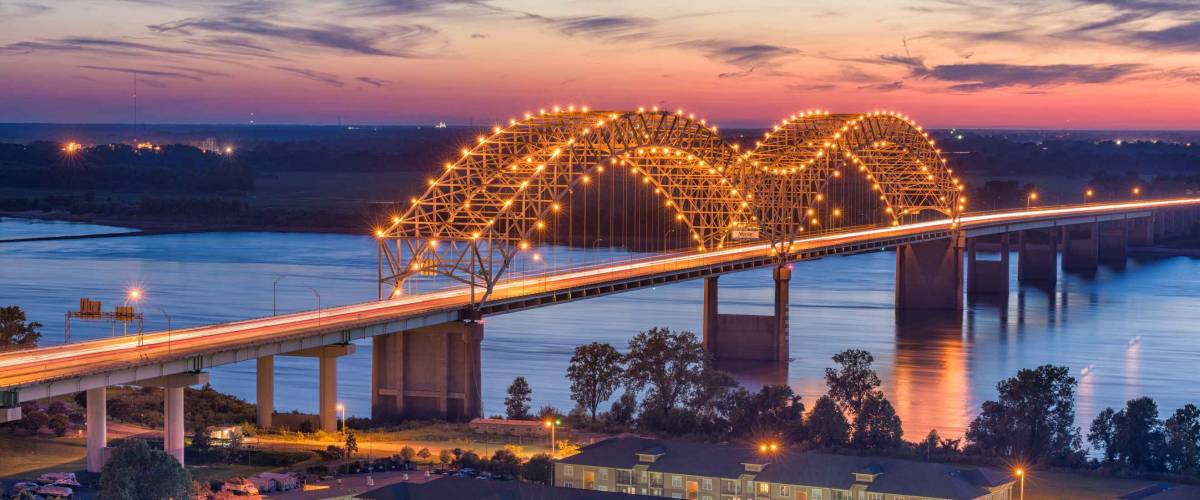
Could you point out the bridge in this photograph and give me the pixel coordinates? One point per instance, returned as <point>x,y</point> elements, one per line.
<point>788,198</point>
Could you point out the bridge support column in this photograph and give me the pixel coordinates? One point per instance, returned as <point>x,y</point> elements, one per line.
<point>430,372</point>
<point>987,277</point>
<point>173,386</point>
<point>748,337</point>
<point>1037,256</point>
<point>1141,231</point>
<point>1081,247</point>
<point>1114,241</point>
<point>929,275</point>
<point>327,402</point>
<point>265,393</point>
<point>97,428</point>
<point>709,313</point>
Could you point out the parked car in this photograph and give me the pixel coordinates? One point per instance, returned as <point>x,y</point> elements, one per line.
<point>52,491</point>
<point>59,479</point>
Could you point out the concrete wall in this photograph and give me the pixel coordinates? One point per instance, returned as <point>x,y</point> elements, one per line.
<point>745,337</point>
<point>929,275</point>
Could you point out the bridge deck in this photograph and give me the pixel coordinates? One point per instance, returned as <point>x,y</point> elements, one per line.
<point>65,369</point>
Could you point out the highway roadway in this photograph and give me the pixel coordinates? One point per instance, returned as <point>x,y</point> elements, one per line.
<point>97,357</point>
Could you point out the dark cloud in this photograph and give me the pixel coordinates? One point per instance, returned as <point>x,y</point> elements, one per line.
<point>317,76</point>
<point>478,35</point>
<point>410,7</point>
<point>90,44</point>
<point>976,77</point>
<point>1179,37</point>
<point>373,81</point>
<point>612,27</point>
<point>396,41</point>
<point>883,87</point>
<point>145,72</point>
<point>741,54</point>
<point>811,87</point>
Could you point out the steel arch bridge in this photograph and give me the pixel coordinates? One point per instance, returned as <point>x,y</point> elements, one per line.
<point>501,195</point>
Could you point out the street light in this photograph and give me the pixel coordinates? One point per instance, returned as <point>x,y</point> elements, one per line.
<point>1021,474</point>
<point>273,286</point>
<point>1087,195</point>
<point>771,447</point>
<point>1033,196</point>
<point>168,316</point>
<point>342,408</point>
<point>552,425</point>
<point>1137,191</point>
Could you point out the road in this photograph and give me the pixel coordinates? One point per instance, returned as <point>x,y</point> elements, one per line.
<point>97,356</point>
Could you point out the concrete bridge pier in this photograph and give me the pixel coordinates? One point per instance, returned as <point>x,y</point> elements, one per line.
<point>1114,242</point>
<point>748,337</point>
<point>97,428</point>
<point>1141,232</point>
<point>173,430</point>
<point>1037,256</point>
<point>929,275</point>
<point>264,368</point>
<point>429,372</point>
<point>987,277</point>
<point>328,380</point>
<point>1081,247</point>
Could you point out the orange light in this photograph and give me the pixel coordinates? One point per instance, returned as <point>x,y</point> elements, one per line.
<point>135,293</point>
<point>1020,472</point>
<point>378,233</point>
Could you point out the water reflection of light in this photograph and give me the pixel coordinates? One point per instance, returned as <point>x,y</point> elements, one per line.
<point>1132,382</point>
<point>930,384</point>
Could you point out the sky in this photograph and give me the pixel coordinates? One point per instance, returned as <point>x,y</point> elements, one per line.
<point>1080,64</point>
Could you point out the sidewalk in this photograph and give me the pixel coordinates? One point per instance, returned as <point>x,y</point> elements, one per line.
<point>351,485</point>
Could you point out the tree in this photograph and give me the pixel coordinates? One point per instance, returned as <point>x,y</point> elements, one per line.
<point>853,381</point>
<point>407,453</point>
<point>201,438</point>
<point>516,405</point>
<point>595,373</point>
<point>135,471</point>
<point>468,460</point>
<point>623,408</point>
<point>877,425</point>
<point>15,332</point>
<point>827,424</point>
<point>667,363</point>
<point>711,400</point>
<point>538,469</point>
<point>773,409</point>
<point>1183,439</point>
<point>445,457</point>
<point>1032,420</point>
<point>1102,434</point>
<point>34,421</point>
<point>424,454</point>
<point>505,463</point>
<point>59,423</point>
<point>1137,434</point>
<point>351,444</point>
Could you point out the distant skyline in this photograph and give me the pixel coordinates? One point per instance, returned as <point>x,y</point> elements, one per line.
<point>1081,64</point>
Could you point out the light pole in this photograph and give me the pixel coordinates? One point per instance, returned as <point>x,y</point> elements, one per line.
<point>1087,195</point>
<point>1033,196</point>
<point>552,425</point>
<point>342,408</point>
<point>273,286</point>
<point>1137,191</point>
<point>135,296</point>
<point>318,294</point>
<point>168,316</point>
<point>1021,474</point>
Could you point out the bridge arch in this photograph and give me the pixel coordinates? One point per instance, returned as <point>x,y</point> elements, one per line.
<point>497,198</point>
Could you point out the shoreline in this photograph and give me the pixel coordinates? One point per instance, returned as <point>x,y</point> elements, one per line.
<point>146,226</point>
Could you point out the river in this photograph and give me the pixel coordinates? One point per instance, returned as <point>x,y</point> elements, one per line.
<point>1123,332</point>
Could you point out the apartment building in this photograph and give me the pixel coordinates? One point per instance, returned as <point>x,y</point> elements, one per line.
<point>702,471</point>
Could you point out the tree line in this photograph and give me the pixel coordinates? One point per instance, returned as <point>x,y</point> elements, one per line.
<point>665,384</point>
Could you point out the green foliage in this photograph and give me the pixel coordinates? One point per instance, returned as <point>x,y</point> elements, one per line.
<point>595,373</point>
<point>668,365</point>
<point>1133,437</point>
<point>773,410</point>
<point>468,460</point>
<point>424,453</point>
<point>59,423</point>
<point>827,425</point>
<point>853,381</point>
<point>1033,419</point>
<point>15,332</point>
<point>408,454</point>
<point>877,426</point>
<point>35,420</point>
<point>538,469</point>
<point>623,409</point>
<point>504,463</point>
<point>516,405</point>
<point>351,444</point>
<point>135,471</point>
<point>445,456</point>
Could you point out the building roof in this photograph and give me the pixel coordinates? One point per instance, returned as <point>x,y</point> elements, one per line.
<point>462,488</point>
<point>1163,491</point>
<point>501,421</point>
<point>895,476</point>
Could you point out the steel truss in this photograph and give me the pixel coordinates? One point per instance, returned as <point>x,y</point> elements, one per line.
<point>499,196</point>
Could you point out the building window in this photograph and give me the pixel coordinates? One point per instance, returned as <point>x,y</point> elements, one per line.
<point>676,481</point>
<point>764,488</point>
<point>877,496</point>
<point>706,484</point>
<point>569,471</point>
<point>818,494</point>
<point>840,495</point>
<point>642,477</point>
<point>604,474</point>
<point>729,487</point>
<point>785,491</point>
<point>656,480</point>
<point>624,477</point>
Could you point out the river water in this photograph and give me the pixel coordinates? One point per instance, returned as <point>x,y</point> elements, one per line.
<point>1123,332</point>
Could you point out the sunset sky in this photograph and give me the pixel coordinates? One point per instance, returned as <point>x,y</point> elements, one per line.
<point>969,63</point>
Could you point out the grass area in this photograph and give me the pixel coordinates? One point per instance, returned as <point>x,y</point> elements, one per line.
<point>29,456</point>
<point>221,472</point>
<point>380,443</point>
